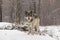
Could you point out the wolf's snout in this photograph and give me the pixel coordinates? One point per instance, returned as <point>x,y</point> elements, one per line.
<point>28,18</point>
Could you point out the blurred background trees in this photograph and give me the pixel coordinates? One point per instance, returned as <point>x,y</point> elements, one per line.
<point>47,10</point>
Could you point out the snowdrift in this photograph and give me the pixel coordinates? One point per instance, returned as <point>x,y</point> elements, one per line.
<point>47,33</point>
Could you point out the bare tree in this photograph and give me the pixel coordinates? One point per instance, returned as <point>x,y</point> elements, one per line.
<point>34,3</point>
<point>0,10</point>
<point>39,12</point>
<point>39,7</point>
<point>12,10</point>
<point>34,6</point>
<point>18,12</point>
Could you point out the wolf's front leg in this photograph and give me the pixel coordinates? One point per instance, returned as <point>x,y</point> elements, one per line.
<point>37,31</point>
<point>32,31</point>
<point>29,30</point>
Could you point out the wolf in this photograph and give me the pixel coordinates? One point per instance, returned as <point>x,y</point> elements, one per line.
<point>33,22</point>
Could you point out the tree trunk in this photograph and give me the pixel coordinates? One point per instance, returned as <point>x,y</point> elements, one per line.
<point>0,10</point>
<point>18,12</point>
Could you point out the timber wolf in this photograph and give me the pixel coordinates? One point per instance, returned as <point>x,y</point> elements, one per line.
<point>33,22</point>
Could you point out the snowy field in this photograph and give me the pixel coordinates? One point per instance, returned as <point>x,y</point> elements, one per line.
<point>47,33</point>
<point>18,35</point>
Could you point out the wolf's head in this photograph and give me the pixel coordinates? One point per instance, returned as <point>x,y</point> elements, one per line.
<point>28,15</point>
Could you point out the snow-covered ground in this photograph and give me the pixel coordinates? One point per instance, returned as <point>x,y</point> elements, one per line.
<point>5,24</point>
<point>18,35</point>
<point>47,33</point>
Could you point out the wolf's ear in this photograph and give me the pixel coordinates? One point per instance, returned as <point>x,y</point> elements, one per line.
<point>26,12</point>
<point>31,12</point>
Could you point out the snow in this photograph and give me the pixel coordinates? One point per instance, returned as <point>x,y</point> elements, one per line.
<point>5,24</point>
<point>18,35</point>
<point>47,33</point>
<point>54,31</point>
